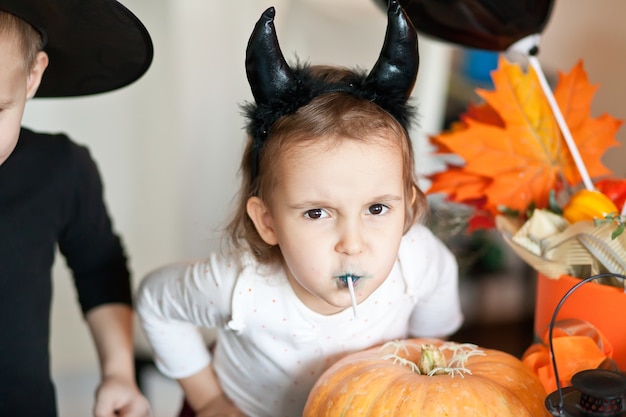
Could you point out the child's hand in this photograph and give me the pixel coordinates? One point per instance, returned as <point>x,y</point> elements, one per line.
<point>119,397</point>
<point>220,406</point>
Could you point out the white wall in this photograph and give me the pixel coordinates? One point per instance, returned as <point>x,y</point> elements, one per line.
<point>169,145</point>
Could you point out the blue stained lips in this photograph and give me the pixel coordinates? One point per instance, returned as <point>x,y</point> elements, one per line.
<point>344,279</point>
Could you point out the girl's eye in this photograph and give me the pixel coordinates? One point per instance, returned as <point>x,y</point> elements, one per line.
<point>315,214</point>
<point>377,209</point>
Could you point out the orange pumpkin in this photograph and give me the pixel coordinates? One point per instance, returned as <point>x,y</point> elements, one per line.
<point>427,377</point>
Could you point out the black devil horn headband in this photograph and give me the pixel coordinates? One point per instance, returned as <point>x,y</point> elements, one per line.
<point>279,89</point>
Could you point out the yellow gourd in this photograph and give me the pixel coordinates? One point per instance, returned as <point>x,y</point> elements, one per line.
<point>588,205</point>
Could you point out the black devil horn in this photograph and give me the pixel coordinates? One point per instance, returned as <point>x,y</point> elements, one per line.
<point>395,71</point>
<point>268,73</point>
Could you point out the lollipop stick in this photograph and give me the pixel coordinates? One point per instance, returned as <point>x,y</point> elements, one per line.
<point>352,296</point>
<point>534,62</point>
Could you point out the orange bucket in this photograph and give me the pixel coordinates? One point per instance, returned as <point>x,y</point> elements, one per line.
<point>602,306</point>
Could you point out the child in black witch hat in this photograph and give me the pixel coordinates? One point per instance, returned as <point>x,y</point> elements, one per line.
<point>51,196</point>
<point>328,255</point>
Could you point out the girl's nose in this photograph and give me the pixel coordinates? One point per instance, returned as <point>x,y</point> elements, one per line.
<point>350,240</point>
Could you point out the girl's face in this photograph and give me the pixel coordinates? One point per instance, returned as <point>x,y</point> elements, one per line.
<point>335,212</point>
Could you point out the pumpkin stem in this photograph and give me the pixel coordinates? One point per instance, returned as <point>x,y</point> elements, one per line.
<point>431,360</point>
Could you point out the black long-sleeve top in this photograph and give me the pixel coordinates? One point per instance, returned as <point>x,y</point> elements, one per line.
<point>50,194</point>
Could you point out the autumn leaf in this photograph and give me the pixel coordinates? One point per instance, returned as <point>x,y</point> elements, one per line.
<point>593,137</point>
<point>484,113</point>
<point>459,184</point>
<point>513,149</point>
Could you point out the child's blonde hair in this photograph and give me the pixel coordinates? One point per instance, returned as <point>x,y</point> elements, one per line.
<point>334,117</point>
<point>28,39</point>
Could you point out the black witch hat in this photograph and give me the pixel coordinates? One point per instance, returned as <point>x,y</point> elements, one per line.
<point>279,89</point>
<point>94,46</point>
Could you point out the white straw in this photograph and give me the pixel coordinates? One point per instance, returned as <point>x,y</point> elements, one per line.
<point>534,62</point>
<point>352,296</point>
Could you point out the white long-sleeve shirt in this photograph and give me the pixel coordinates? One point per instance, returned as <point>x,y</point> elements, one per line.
<point>270,348</point>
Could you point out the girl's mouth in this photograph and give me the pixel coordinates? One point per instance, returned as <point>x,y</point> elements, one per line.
<point>343,279</point>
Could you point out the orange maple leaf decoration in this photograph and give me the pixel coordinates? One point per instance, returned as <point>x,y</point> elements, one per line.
<point>513,150</point>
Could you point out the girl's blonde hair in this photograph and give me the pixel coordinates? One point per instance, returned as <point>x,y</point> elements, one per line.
<point>332,116</point>
<point>28,39</point>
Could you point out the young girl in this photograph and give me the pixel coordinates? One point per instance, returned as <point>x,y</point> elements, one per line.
<point>328,256</point>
